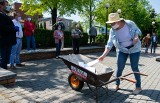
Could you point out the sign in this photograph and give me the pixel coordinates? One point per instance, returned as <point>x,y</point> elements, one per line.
<point>79,72</point>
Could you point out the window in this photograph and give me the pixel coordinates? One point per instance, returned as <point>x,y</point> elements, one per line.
<point>50,22</point>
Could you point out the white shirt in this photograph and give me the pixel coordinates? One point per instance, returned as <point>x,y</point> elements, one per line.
<point>20,33</point>
<point>154,38</point>
<point>124,36</point>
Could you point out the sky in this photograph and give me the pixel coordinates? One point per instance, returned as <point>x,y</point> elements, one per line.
<point>156,5</point>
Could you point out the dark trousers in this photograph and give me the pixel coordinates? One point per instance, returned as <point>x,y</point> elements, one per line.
<point>5,55</point>
<point>58,48</point>
<point>92,39</point>
<point>153,46</point>
<point>75,44</point>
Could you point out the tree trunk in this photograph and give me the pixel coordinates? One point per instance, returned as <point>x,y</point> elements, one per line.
<point>54,16</point>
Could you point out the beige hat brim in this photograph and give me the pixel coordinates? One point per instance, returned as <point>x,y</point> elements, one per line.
<point>109,22</point>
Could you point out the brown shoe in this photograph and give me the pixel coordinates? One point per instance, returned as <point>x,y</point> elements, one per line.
<point>137,91</point>
<point>12,67</point>
<point>20,65</point>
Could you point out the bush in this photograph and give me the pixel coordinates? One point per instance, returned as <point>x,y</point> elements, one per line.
<point>44,39</point>
<point>101,38</point>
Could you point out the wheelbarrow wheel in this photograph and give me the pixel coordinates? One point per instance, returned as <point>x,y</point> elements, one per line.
<point>75,83</point>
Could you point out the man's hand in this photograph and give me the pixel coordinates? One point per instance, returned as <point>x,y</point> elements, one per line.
<point>135,40</point>
<point>101,58</point>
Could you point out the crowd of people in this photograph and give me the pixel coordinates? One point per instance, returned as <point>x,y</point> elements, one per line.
<point>11,35</point>
<point>124,35</point>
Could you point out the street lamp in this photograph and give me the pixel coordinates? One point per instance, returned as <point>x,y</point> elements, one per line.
<point>119,11</point>
<point>107,6</point>
<point>153,23</point>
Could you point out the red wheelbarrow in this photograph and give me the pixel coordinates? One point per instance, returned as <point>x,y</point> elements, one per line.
<point>99,75</point>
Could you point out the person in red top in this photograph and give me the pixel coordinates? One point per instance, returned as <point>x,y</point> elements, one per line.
<point>29,29</point>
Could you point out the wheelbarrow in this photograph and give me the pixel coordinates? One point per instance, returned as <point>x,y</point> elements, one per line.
<point>97,74</point>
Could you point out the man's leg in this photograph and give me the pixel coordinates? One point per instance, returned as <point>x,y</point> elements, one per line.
<point>121,61</point>
<point>59,47</point>
<point>151,47</point>
<point>74,46</point>
<point>3,58</point>
<point>13,54</point>
<point>134,60</point>
<point>154,48</point>
<point>90,39</point>
<point>28,42</point>
<point>19,47</point>
<point>77,46</point>
<point>33,42</point>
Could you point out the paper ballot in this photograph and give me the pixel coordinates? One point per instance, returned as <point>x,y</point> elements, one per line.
<point>92,69</point>
<point>93,62</point>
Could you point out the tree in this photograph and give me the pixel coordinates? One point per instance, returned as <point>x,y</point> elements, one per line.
<point>61,7</point>
<point>136,10</point>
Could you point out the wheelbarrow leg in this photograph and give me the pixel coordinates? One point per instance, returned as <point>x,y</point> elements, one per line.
<point>106,86</point>
<point>89,87</point>
<point>96,94</point>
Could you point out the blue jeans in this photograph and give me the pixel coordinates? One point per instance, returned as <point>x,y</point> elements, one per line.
<point>153,46</point>
<point>134,60</point>
<point>15,52</point>
<point>31,39</point>
<point>58,48</point>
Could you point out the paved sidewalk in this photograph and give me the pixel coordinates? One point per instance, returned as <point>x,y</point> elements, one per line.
<point>46,81</point>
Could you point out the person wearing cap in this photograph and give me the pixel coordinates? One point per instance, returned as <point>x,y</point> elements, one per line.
<point>7,34</point>
<point>76,35</point>
<point>124,35</point>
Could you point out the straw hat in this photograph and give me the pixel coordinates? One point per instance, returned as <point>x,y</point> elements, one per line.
<point>114,17</point>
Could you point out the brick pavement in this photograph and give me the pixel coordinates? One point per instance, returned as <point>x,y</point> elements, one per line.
<point>46,81</point>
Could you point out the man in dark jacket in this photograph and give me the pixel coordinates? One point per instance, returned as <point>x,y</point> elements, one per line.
<point>154,41</point>
<point>7,34</point>
<point>92,34</point>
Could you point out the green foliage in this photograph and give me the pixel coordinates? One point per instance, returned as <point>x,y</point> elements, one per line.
<point>136,10</point>
<point>64,6</point>
<point>41,26</point>
<point>101,38</point>
<point>44,39</point>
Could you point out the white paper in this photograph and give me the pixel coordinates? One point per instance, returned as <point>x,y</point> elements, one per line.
<point>92,69</point>
<point>93,62</point>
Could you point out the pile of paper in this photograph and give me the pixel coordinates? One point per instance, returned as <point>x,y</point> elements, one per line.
<point>88,65</point>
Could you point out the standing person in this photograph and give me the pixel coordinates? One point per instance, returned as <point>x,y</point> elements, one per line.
<point>7,33</point>
<point>29,30</point>
<point>154,41</point>
<point>59,36</point>
<point>124,36</point>
<point>92,34</point>
<point>147,42</point>
<point>15,52</point>
<point>55,27</point>
<point>76,35</point>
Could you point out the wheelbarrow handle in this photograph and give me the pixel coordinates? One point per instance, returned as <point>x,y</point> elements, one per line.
<point>140,73</point>
<point>128,79</point>
<point>134,73</point>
